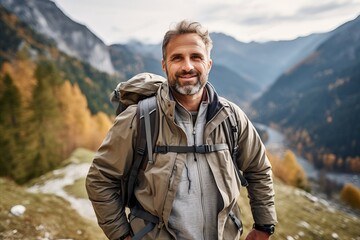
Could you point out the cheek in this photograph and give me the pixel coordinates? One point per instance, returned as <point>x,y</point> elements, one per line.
<point>204,67</point>
<point>172,69</point>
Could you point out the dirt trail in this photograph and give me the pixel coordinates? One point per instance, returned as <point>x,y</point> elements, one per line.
<point>64,177</point>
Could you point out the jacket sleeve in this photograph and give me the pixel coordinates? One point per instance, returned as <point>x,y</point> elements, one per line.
<point>256,167</point>
<point>104,182</point>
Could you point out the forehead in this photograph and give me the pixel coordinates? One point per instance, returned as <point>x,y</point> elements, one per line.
<point>190,42</point>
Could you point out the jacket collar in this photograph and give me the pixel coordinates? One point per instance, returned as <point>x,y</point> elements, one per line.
<point>168,104</point>
<point>214,103</point>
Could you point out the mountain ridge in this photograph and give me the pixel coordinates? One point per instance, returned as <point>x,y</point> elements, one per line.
<point>318,101</point>
<point>71,37</point>
<point>235,64</point>
<point>258,63</point>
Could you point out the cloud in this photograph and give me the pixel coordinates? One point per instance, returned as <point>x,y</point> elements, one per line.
<point>326,7</point>
<point>309,11</point>
<point>118,21</point>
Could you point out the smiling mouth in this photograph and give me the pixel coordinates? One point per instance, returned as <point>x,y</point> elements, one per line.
<point>188,76</point>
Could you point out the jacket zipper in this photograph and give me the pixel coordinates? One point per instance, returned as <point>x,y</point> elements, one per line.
<point>170,180</point>
<point>201,183</point>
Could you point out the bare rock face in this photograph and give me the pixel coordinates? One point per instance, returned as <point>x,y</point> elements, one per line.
<point>72,38</point>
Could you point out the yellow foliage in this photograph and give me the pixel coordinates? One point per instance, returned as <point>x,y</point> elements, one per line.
<point>329,160</point>
<point>75,125</point>
<point>81,129</point>
<point>102,124</point>
<point>354,164</point>
<point>289,170</point>
<point>350,194</point>
<point>22,73</point>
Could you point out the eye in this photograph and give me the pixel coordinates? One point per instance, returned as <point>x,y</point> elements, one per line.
<point>197,57</point>
<point>176,58</point>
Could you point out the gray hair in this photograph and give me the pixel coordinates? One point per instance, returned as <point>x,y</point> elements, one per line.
<point>185,27</point>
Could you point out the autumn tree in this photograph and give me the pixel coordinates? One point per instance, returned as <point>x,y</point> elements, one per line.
<point>42,120</point>
<point>80,128</point>
<point>350,194</point>
<point>45,120</point>
<point>291,172</point>
<point>102,124</point>
<point>22,73</point>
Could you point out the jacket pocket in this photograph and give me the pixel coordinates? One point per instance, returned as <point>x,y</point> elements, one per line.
<point>172,176</point>
<point>233,225</point>
<point>236,221</point>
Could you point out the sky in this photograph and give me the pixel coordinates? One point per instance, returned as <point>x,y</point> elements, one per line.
<point>119,21</point>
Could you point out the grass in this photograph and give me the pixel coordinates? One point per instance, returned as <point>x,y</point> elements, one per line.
<point>80,155</point>
<point>46,217</point>
<point>300,215</point>
<point>77,189</point>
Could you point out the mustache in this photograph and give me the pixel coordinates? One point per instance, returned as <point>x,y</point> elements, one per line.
<point>184,72</point>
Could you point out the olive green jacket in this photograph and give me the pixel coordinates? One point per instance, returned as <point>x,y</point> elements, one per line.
<point>157,184</point>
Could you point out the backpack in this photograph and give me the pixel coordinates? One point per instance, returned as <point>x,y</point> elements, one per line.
<point>141,89</point>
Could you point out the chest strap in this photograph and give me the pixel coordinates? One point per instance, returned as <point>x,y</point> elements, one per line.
<point>191,149</point>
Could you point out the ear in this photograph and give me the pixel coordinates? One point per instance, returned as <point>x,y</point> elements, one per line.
<point>209,65</point>
<point>163,65</point>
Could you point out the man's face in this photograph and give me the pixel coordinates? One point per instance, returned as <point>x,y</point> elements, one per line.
<point>187,64</point>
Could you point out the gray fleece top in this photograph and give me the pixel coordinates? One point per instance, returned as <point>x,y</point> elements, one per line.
<point>198,201</point>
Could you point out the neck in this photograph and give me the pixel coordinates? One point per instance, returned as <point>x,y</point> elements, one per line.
<point>189,102</point>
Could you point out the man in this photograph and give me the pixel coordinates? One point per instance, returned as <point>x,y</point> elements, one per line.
<point>190,195</point>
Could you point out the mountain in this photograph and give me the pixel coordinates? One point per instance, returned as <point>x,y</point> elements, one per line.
<point>136,57</point>
<point>253,64</point>
<point>318,101</point>
<point>130,61</point>
<point>18,40</point>
<point>258,63</point>
<point>262,63</point>
<point>15,34</point>
<point>232,86</point>
<point>50,103</point>
<point>72,38</point>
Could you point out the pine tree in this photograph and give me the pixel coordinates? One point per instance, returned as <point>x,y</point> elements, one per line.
<point>10,115</point>
<point>45,120</point>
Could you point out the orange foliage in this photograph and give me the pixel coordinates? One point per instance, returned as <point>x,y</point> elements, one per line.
<point>22,73</point>
<point>81,129</point>
<point>289,170</point>
<point>102,124</point>
<point>354,164</point>
<point>350,194</point>
<point>329,160</point>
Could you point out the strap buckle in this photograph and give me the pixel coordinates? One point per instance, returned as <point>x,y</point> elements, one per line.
<point>161,149</point>
<point>202,149</point>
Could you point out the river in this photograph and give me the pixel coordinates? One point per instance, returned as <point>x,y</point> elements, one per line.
<point>277,143</point>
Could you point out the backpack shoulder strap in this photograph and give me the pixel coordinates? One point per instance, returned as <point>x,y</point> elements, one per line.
<point>232,136</point>
<point>147,131</point>
<point>147,109</point>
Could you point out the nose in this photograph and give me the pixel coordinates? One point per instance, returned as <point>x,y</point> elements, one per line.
<point>187,65</point>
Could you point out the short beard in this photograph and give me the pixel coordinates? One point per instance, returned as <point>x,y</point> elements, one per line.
<point>189,90</point>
